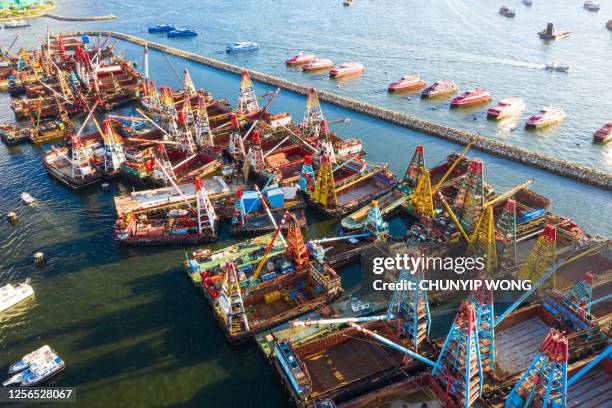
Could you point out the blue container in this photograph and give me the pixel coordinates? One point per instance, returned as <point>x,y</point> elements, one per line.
<point>85,39</point>
<point>268,276</point>
<point>250,202</point>
<point>276,197</point>
<point>193,265</point>
<point>531,215</point>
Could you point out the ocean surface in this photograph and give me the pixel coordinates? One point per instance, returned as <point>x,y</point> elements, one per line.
<point>132,329</point>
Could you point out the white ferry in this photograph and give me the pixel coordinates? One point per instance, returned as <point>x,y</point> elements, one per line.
<point>11,295</point>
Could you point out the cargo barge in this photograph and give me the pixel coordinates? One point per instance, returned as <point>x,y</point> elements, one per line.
<point>71,166</point>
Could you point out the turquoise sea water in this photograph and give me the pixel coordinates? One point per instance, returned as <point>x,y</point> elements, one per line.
<point>130,326</point>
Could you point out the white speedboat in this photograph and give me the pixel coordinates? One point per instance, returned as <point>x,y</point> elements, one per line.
<point>553,66</point>
<point>27,198</point>
<point>11,295</point>
<point>16,23</point>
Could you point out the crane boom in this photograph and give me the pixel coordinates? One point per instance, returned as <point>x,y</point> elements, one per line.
<point>265,205</point>
<point>452,167</point>
<point>509,193</point>
<point>454,217</point>
<point>304,323</point>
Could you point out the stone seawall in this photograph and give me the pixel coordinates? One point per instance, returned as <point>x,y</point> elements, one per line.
<point>560,167</point>
<point>91,18</point>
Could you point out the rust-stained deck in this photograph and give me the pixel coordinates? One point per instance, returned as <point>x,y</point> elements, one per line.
<point>517,346</point>
<point>593,390</point>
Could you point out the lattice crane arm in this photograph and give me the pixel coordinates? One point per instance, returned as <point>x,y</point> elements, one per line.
<point>308,322</point>
<point>454,218</point>
<point>452,167</point>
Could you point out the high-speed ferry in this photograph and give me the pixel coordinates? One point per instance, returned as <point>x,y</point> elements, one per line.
<point>545,117</point>
<point>300,59</point>
<point>347,69</point>
<point>507,107</point>
<point>405,83</point>
<point>439,88</point>
<point>471,97</point>
<point>10,295</point>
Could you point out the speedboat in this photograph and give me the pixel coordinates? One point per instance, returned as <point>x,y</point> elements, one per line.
<point>507,107</point>
<point>507,12</point>
<point>11,295</point>
<point>44,365</point>
<point>471,97</point>
<point>17,23</point>
<point>553,66</point>
<point>346,69</point>
<point>609,25</point>
<point>162,28</point>
<point>28,359</point>
<point>300,59</point>
<point>243,46</point>
<point>348,2</point>
<point>545,117</point>
<point>528,2</point>
<point>438,88</point>
<point>318,64</point>
<point>27,198</point>
<point>591,5</point>
<point>604,134</point>
<point>182,32</point>
<point>405,83</point>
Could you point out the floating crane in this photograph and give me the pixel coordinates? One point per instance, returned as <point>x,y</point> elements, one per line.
<point>313,115</point>
<point>247,101</point>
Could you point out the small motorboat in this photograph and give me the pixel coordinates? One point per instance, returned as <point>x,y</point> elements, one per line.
<point>300,59</point>
<point>507,12</point>
<point>609,25</point>
<point>406,83</point>
<point>244,46</point>
<point>545,117</point>
<point>528,2</point>
<point>604,134</point>
<point>553,66</point>
<point>348,2</point>
<point>439,88</point>
<point>318,64</point>
<point>507,107</point>
<point>347,69</point>
<point>591,5</point>
<point>44,365</point>
<point>182,32</point>
<point>27,198</point>
<point>162,28</point>
<point>471,97</point>
<point>17,23</point>
<point>10,295</point>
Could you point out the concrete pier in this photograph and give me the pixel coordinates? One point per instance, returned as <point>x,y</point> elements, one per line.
<point>518,154</point>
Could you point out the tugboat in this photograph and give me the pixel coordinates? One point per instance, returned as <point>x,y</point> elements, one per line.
<point>405,83</point>
<point>162,28</point>
<point>506,12</point>
<point>471,97</point>
<point>545,117</point>
<point>511,106</point>
<point>182,32</point>
<point>300,59</point>
<point>347,69</point>
<point>553,66</point>
<point>244,46</point>
<point>591,5</point>
<point>439,88</point>
<point>318,64</point>
<point>40,365</point>
<point>604,134</point>
<point>11,295</point>
<point>27,198</point>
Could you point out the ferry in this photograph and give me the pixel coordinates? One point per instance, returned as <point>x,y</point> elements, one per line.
<point>16,24</point>
<point>244,46</point>
<point>554,66</point>
<point>45,365</point>
<point>27,198</point>
<point>439,88</point>
<point>318,64</point>
<point>11,295</point>
<point>604,134</point>
<point>511,106</point>
<point>471,97</point>
<point>300,59</point>
<point>162,28</point>
<point>546,116</point>
<point>347,69</point>
<point>507,12</point>
<point>182,32</point>
<point>405,83</point>
<point>591,5</point>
